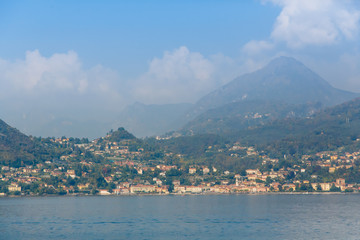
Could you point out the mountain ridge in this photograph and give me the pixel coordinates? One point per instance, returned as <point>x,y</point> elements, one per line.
<point>283,79</point>
<point>331,128</point>
<point>284,82</point>
<point>244,114</point>
<point>153,119</point>
<point>14,145</point>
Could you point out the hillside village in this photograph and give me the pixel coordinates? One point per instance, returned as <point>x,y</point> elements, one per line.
<point>255,144</point>
<point>123,170</point>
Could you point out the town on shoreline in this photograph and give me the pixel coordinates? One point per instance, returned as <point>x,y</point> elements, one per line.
<point>121,171</point>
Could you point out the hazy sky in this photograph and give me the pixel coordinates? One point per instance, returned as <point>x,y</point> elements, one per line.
<point>86,59</point>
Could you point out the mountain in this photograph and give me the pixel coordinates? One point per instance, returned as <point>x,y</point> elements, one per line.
<point>245,114</point>
<point>149,120</point>
<point>333,128</point>
<point>282,89</point>
<point>15,146</point>
<point>283,79</point>
<point>329,129</point>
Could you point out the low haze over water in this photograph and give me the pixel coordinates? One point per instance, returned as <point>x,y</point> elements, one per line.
<point>182,217</point>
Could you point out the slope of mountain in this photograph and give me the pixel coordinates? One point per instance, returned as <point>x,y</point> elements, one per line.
<point>244,114</point>
<point>329,129</point>
<point>14,145</point>
<point>282,89</point>
<point>283,79</point>
<point>149,120</point>
<point>333,128</point>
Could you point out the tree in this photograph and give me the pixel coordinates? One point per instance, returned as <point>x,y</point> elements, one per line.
<point>259,181</point>
<point>291,175</point>
<point>100,182</point>
<point>268,181</point>
<point>171,187</point>
<point>334,188</point>
<point>306,187</point>
<point>111,186</point>
<point>173,172</point>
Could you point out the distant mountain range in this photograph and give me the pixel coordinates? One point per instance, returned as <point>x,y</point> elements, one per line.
<point>284,88</point>
<point>284,107</point>
<point>283,79</point>
<point>333,128</point>
<point>328,129</point>
<point>245,114</point>
<point>273,92</point>
<point>149,120</point>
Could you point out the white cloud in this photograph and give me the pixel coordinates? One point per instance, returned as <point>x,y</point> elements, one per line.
<point>59,86</point>
<point>323,34</point>
<point>179,76</point>
<point>60,71</point>
<point>315,22</point>
<point>257,47</point>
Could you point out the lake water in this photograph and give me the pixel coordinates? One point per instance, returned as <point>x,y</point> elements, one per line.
<point>182,217</point>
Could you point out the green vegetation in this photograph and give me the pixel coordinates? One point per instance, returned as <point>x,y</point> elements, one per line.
<point>246,114</point>
<point>327,130</point>
<point>119,135</point>
<point>292,154</point>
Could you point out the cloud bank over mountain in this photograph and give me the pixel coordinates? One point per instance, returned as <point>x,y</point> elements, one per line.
<point>179,76</point>
<point>322,34</point>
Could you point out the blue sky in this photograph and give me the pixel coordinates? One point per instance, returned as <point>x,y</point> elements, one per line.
<point>125,35</point>
<point>57,57</point>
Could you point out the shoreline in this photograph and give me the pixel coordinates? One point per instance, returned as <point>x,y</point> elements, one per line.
<point>181,194</point>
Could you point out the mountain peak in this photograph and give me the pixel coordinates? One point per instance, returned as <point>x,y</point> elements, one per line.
<point>284,59</point>
<point>290,66</point>
<point>283,79</point>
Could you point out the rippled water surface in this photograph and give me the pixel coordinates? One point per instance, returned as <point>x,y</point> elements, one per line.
<point>182,217</point>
